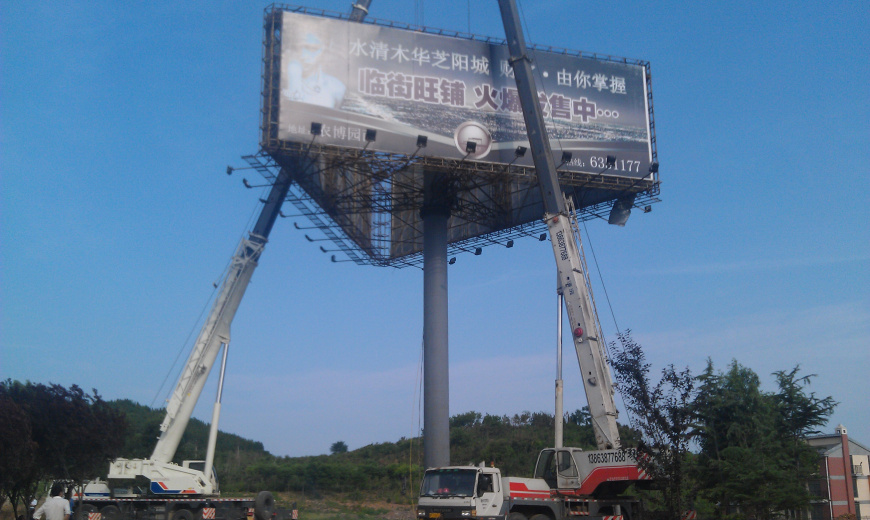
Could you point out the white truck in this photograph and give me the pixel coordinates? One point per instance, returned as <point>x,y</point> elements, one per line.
<point>567,482</point>
<point>157,488</point>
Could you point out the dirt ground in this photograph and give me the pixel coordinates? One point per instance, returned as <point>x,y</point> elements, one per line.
<point>6,511</point>
<point>335,508</point>
<point>345,508</point>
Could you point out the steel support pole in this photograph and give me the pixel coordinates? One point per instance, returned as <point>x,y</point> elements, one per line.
<point>436,387</point>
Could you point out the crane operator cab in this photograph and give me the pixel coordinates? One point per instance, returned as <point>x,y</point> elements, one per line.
<point>593,472</point>
<point>199,465</point>
<point>558,468</point>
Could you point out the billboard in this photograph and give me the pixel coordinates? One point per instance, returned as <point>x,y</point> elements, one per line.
<point>392,105</point>
<point>380,88</point>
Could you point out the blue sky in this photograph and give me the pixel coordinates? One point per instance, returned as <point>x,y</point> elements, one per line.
<point>118,121</point>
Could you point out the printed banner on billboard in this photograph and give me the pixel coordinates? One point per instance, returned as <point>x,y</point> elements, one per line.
<point>401,84</point>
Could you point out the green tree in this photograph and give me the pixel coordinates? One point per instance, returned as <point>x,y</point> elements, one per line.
<point>662,415</point>
<point>338,447</point>
<point>18,471</point>
<point>75,433</point>
<point>754,459</point>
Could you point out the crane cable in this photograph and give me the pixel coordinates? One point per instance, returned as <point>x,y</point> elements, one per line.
<point>417,401</point>
<point>197,324</point>
<point>620,379</point>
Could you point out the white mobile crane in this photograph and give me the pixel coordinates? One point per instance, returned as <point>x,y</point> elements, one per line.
<point>568,482</point>
<point>156,488</point>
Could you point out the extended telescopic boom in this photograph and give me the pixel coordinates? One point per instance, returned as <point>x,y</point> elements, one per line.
<point>196,477</point>
<point>216,331</point>
<point>596,376</point>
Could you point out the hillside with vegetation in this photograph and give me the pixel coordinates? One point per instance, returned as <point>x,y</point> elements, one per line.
<point>387,471</point>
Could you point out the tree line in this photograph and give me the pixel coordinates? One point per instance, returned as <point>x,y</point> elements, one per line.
<point>714,441</point>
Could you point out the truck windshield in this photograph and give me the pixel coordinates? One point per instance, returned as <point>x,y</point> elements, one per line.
<point>448,482</point>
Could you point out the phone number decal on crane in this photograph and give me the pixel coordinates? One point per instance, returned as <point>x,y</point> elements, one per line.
<point>613,456</point>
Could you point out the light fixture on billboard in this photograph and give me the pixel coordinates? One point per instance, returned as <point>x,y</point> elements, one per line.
<point>647,209</point>
<point>231,169</point>
<point>371,136</point>
<point>470,148</point>
<point>621,210</point>
<point>316,130</point>
<point>249,186</point>
<point>452,261</point>
<point>510,244</point>
<point>566,158</point>
<point>519,152</point>
<point>422,141</point>
<point>542,237</point>
<point>654,167</point>
<point>478,251</point>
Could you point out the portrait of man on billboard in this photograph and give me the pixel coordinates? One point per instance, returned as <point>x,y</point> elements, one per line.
<point>308,79</point>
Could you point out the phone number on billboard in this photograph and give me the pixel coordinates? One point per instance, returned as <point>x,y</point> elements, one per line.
<point>600,162</point>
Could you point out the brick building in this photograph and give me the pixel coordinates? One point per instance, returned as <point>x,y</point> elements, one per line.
<point>843,486</point>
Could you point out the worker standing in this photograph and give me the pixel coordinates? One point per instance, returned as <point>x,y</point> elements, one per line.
<point>56,507</point>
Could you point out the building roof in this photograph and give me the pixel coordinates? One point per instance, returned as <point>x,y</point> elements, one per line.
<point>829,444</point>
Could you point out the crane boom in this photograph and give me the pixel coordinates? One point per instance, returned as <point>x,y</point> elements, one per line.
<point>216,331</point>
<point>596,376</point>
<point>196,477</point>
<point>214,335</point>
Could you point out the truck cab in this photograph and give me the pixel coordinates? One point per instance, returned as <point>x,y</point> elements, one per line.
<point>456,492</point>
<point>574,471</point>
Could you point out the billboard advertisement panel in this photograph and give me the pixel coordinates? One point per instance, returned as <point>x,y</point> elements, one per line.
<point>379,88</point>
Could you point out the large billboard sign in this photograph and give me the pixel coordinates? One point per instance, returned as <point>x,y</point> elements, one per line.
<point>381,88</point>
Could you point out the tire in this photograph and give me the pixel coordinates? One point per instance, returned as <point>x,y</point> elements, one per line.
<point>516,515</point>
<point>86,508</point>
<point>264,506</point>
<point>111,512</point>
<point>182,514</point>
<point>540,516</point>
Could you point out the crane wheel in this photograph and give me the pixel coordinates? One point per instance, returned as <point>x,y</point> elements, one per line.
<point>264,506</point>
<point>110,512</point>
<point>540,516</point>
<point>182,514</point>
<point>86,508</point>
<point>516,515</point>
